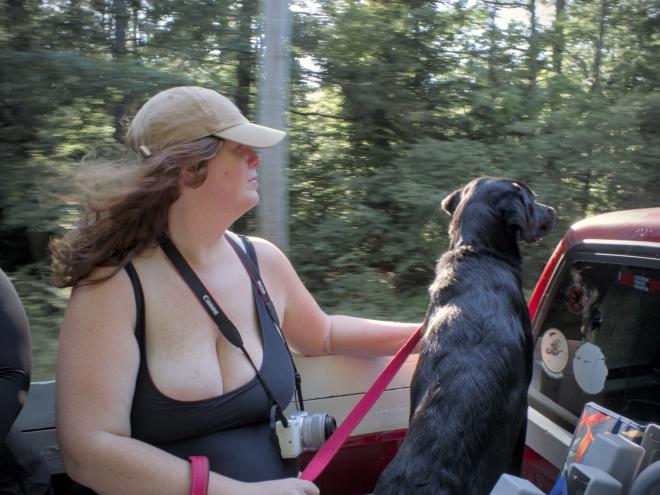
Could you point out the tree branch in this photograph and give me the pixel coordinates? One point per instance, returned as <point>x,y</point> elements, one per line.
<point>318,114</point>
<point>497,3</point>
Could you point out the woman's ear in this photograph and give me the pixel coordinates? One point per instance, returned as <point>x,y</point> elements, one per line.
<point>188,173</point>
<point>193,175</point>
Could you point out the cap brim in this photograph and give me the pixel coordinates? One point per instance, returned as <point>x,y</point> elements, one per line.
<point>251,134</point>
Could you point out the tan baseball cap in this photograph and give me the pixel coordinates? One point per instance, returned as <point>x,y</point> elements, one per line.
<point>186,113</point>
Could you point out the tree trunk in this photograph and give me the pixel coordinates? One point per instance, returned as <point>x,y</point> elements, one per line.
<point>17,114</point>
<point>17,18</point>
<point>533,53</point>
<point>492,47</point>
<point>120,12</point>
<point>136,21</point>
<point>558,36</point>
<point>246,56</point>
<point>585,200</point>
<point>598,57</point>
<point>245,76</point>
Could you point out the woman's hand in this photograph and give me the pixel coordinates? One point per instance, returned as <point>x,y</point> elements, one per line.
<point>287,486</point>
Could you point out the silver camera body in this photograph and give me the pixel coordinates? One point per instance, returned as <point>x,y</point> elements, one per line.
<point>304,432</point>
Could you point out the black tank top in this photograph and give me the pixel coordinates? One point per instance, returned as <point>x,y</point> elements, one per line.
<point>233,430</point>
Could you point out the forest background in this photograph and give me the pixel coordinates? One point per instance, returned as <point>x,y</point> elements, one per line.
<point>393,104</point>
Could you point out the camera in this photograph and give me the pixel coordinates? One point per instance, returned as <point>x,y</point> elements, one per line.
<point>305,432</point>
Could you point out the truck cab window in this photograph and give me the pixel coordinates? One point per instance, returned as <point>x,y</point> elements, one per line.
<point>605,319</point>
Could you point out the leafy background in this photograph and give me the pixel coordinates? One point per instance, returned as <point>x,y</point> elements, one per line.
<point>393,105</point>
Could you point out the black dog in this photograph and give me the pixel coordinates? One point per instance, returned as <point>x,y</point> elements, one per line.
<point>469,391</point>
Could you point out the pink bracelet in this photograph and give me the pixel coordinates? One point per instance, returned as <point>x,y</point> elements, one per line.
<point>199,471</point>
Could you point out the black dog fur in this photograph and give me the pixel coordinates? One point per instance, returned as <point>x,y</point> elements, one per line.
<point>469,390</point>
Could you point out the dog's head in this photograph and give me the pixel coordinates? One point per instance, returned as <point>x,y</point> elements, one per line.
<point>494,213</point>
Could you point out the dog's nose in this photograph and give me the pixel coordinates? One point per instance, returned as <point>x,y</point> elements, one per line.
<point>550,215</point>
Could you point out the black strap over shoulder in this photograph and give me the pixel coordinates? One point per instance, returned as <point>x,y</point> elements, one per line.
<point>251,265</point>
<point>226,327</point>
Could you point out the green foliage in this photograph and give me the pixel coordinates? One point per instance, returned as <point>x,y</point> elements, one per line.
<point>44,305</point>
<point>404,101</point>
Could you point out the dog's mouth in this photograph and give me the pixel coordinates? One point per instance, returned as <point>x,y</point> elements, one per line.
<point>529,237</point>
<point>536,237</point>
<point>545,225</point>
<point>539,231</point>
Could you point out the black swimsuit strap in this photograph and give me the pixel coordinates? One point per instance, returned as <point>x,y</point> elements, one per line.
<point>260,291</point>
<point>139,305</point>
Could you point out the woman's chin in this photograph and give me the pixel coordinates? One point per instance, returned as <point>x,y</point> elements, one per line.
<point>254,200</point>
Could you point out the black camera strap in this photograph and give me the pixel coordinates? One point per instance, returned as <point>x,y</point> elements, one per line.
<point>248,260</point>
<point>226,327</point>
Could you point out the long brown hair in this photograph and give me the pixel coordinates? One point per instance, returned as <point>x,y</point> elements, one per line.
<point>125,209</point>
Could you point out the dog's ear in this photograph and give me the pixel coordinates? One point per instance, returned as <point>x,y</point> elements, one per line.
<point>514,214</point>
<point>512,209</point>
<point>450,203</point>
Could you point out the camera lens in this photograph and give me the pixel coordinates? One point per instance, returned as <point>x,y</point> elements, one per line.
<point>330,425</point>
<point>316,429</point>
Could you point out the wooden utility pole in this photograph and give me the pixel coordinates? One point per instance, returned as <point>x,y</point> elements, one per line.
<point>272,109</point>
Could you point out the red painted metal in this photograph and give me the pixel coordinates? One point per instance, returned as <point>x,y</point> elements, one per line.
<point>545,277</point>
<point>336,441</point>
<point>539,471</point>
<point>632,225</point>
<point>356,467</point>
<point>629,225</point>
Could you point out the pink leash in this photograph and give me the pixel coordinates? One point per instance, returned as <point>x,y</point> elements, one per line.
<point>329,449</point>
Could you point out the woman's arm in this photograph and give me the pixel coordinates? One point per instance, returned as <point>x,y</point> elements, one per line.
<point>97,366</point>
<point>14,355</point>
<point>313,332</point>
<point>353,336</point>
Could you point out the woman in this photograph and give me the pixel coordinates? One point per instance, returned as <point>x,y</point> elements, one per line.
<point>145,377</point>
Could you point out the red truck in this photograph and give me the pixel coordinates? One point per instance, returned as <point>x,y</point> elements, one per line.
<point>596,324</point>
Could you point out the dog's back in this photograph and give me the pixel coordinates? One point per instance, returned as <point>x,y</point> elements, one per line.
<point>467,394</point>
<point>469,391</point>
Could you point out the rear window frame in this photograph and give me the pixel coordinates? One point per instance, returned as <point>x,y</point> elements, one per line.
<point>626,253</point>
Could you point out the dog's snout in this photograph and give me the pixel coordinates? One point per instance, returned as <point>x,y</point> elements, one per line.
<point>549,215</point>
<point>550,211</point>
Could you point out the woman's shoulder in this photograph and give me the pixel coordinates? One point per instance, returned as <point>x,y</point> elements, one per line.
<point>115,277</point>
<point>104,283</point>
<point>267,251</point>
<point>100,305</point>
<point>273,263</point>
